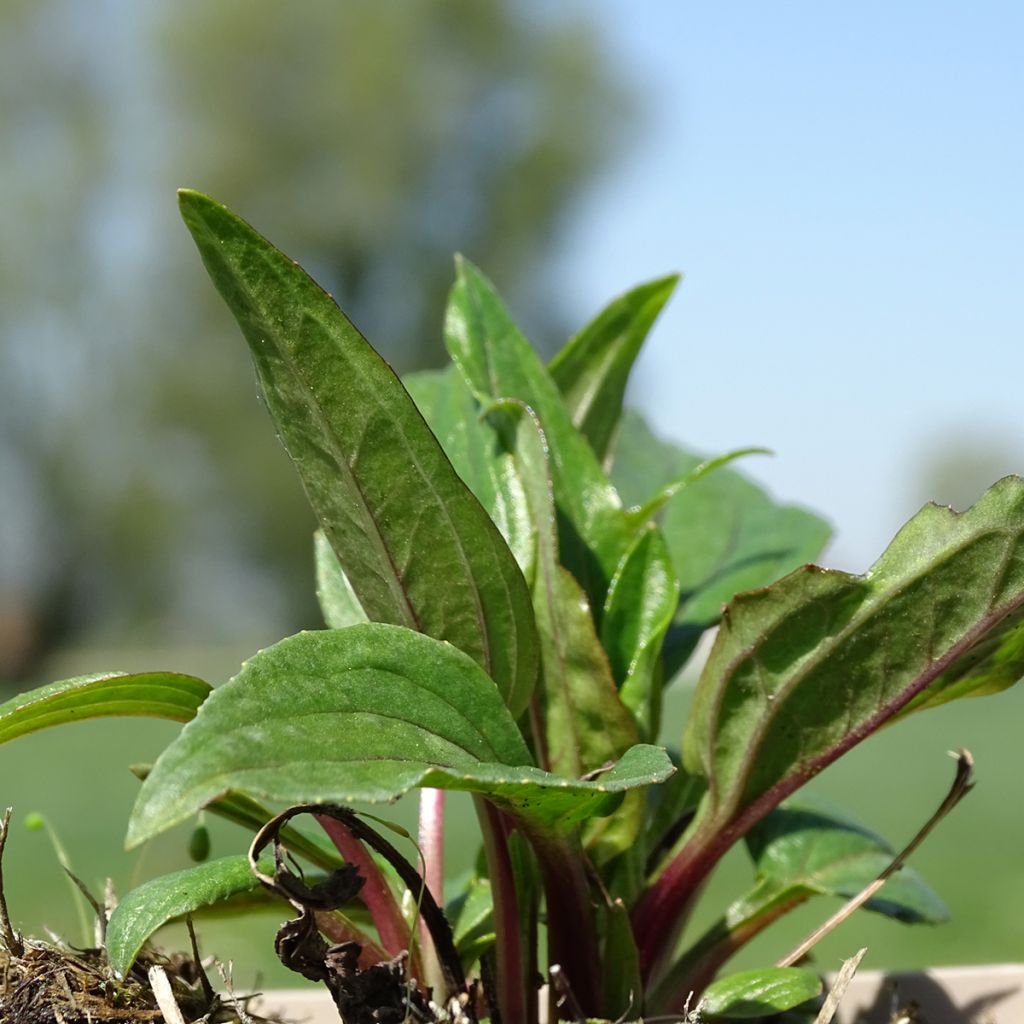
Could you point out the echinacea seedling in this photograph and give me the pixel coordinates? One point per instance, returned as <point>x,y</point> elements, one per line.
<point>512,569</point>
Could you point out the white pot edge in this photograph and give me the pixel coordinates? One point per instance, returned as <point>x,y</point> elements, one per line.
<point>984,994</point>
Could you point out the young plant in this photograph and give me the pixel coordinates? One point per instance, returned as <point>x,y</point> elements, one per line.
<point>512,570</point>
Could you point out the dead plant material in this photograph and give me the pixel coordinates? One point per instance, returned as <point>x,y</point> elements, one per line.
<point>50,984</point>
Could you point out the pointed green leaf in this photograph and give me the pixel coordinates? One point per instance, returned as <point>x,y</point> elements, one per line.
<point>149,907</point>
<point>387,498</point>
<point>104,695</point>
<point>807,668</point>
<point>338,601</point>
<point>665,494</point>
<point>800,851</point>
<point>498,363</point>
<point>760,993</point>
<point>367,713</point>
<point>592,369</point>
<point>641,601</point>
<point>724,534</point>
<point>478,455</point>
<point>585,723</point>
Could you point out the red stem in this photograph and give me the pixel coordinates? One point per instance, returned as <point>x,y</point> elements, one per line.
<point>660,912</point>
<point>375,893</point>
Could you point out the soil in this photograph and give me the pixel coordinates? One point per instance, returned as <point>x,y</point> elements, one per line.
<point>51,984</point>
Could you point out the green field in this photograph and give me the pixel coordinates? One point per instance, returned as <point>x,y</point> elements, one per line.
<point>77,777</point>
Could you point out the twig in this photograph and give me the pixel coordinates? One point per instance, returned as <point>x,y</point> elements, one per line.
<point>962,785</point>
<point>204,981</point>
<point>11,939</point>
<point>98,910</point>
<point>839,987</point>
<point>566,997</point>
<point>164,995</point>
<point>229,989</point>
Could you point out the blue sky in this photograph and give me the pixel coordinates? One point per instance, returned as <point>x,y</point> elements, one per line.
<point>842,187</point>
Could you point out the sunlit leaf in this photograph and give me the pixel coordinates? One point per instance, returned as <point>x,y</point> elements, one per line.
<point>641,601</point>
<point>593,368</point>
<point>499,363</point>
<point>478,455</point>
<point>807,668</point>
<point>585,723</point>
<point>760,993</point>
<point>366,714</point>
<point>144,910</point>
<point>104,695</point>
<point>388,500</point>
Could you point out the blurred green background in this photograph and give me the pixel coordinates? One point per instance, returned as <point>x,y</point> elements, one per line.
<point>148,519</point>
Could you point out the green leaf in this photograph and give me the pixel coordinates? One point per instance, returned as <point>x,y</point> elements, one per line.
<point>498,363</point>
<point>641,601</point>
<point>144,910</point>
<point>338,600</point>
<point>471,915</point>
<point>759,993</point>
<point>665,494</point>
<point>621,975</point>
<point>800,851</point>
<point>807,668</point>
<point>478,455</point>
<point>104,695</point>
<point>367,713</point>
<point>592,369</point>
<point>724,534</point>
<point>585,723</point>
<point>395,512</point>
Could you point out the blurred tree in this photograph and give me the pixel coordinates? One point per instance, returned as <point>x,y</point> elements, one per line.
<point>142,488</point>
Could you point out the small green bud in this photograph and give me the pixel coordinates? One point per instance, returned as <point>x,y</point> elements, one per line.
<point>199,843</point>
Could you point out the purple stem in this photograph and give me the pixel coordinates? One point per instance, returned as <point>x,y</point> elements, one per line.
<point>516,999</point>
<point>572,928</point>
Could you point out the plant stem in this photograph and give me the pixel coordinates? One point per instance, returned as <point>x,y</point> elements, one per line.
<point>572,925</point>
<point>431,841</point>
<point>376,893</point>
<point>431,848</point>
<point>660,912</point>
<point>515,998</point>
